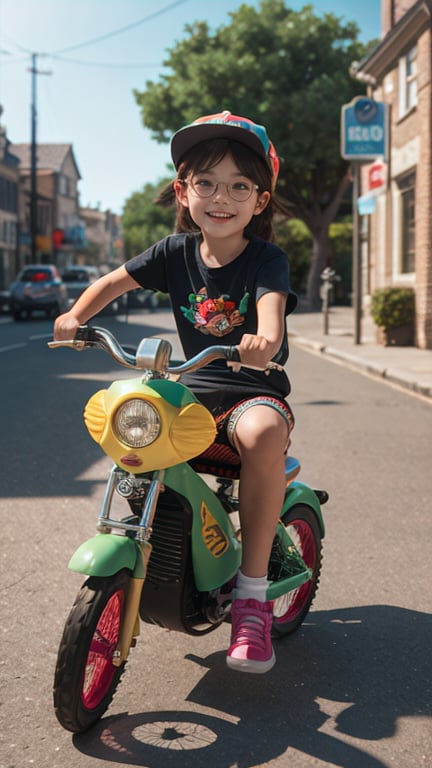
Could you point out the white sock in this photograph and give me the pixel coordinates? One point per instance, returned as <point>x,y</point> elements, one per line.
<point>249,587</point>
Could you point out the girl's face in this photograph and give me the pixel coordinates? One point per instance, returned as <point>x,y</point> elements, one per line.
<point>219,215</point>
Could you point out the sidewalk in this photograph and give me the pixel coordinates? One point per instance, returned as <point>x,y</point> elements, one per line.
<point>407,367</point>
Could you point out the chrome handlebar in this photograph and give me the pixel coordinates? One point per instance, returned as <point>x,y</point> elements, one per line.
<point>152,354</point>
<point>100,338</point>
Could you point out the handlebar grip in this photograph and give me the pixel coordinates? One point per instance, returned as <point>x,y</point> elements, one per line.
<point>233,355</point>
<point>84,333</point>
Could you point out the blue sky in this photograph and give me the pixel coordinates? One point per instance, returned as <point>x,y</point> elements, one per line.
<point>87,98</point>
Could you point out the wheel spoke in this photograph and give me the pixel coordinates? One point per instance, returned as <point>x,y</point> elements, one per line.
<point>101,646</point>
<point>99,670</point>
<point>290,609</point>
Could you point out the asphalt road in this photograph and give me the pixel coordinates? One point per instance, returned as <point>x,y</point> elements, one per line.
<point>352,688</point>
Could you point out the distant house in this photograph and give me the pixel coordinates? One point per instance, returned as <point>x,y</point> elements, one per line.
<point>59,227</point>
<point>9,178</point>
<point>399,73</point>
<point>103,236</point>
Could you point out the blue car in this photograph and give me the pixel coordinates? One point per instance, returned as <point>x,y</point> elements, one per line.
<point>38,288</point>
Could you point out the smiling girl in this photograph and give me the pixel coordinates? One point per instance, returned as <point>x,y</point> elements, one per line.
<point>226,278</point>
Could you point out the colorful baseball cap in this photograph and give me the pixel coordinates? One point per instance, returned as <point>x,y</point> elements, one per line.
<point>225,125</point>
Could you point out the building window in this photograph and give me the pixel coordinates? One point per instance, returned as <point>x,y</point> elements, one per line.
<point>63,185</point>
<point>8,195</point>
<point>44,219</point>
<point>408,82</point>
<point>9,232</point>
<point>14,233</point>
<point>406,186</point>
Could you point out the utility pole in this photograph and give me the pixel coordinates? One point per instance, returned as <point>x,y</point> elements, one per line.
<point>33,158</point>
<point>357,264</point>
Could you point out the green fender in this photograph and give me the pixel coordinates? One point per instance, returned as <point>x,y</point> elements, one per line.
<point>106,554</point>
<point>299,493</point>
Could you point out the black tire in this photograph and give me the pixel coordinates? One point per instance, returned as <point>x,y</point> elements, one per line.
<point>53,310</point>
<point>85,679</point>
<point>290,610</point>
<point>20,314</point>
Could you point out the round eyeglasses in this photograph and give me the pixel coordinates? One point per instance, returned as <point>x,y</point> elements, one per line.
<point>240,191</point>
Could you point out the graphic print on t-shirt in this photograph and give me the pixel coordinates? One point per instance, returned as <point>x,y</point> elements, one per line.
<point>215,316</point>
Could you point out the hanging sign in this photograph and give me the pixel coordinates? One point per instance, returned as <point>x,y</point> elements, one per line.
<point>364,129</point>
<point>377,176</point>
<point>366,204</point>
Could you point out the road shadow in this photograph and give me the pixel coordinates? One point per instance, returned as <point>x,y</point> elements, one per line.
<point>345,678</point>
<point>48,447</point>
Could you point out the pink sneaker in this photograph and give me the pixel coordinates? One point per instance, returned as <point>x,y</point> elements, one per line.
<point>251,648</point>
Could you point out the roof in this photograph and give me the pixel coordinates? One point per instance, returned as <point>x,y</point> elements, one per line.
<point>412,24</point>
<point>50,157</point>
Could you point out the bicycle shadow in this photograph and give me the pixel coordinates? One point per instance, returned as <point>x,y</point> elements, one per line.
<point>347,676</point>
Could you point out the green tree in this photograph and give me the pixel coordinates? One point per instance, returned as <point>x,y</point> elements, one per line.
<point>288,70</point>
<point>143,222</point>
<point>296,240</point>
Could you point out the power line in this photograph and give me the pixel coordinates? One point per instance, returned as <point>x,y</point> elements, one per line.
<point>14,61</point>
<point>122,29</point>
<point>104,64</point>
<point>56,55</point>
<point>17,45</point>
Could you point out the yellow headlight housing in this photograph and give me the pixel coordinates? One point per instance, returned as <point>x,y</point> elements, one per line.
<point>149,426</point>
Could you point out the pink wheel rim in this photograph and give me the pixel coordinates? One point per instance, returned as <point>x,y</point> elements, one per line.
<point>99,669</point>
<point>294,601</point>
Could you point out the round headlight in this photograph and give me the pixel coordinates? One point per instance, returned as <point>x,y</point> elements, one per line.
<point>136,423</point>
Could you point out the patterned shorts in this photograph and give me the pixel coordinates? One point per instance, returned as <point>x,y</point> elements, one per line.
<point>222,458</point>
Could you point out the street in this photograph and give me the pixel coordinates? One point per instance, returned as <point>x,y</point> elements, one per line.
<point>351,688</point>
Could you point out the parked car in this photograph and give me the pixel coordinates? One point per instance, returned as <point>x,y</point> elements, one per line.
<point>38,287</point>
<point>4,302</point>
<point>77,278</point>
<point>142,298</point>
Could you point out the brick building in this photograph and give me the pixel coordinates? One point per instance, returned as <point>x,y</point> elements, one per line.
<point>57,203</point>
<point>399,73</point>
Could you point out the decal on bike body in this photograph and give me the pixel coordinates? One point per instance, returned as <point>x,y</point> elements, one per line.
<point>214,538</point>
<point>131,460</point>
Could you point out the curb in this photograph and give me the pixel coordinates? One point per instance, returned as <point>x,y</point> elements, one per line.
<point>390,375</point>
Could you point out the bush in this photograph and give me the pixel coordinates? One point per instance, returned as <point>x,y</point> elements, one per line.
<point>392,307</point>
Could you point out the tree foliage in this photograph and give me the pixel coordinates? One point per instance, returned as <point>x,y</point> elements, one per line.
<point>143,222</point>
<point>286,69</point>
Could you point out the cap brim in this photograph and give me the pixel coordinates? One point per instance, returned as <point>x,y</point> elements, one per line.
<point>188,137</point>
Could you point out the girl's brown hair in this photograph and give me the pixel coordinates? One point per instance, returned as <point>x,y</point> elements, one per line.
<point>204,156</point>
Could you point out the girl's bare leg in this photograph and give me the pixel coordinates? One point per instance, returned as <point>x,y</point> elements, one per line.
<point>261,438</point>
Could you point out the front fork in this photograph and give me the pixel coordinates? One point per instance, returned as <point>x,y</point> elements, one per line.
<point>130,622</point>
<point>129,627</point>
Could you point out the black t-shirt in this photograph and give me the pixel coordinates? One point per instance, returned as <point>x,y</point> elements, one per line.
<point>217,306</point>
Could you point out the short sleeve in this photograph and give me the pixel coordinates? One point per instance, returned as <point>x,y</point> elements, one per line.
<point>273,275</point>
<point>148,269</point>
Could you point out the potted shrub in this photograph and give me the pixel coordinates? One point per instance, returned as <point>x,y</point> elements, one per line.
<point>392,310</point>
